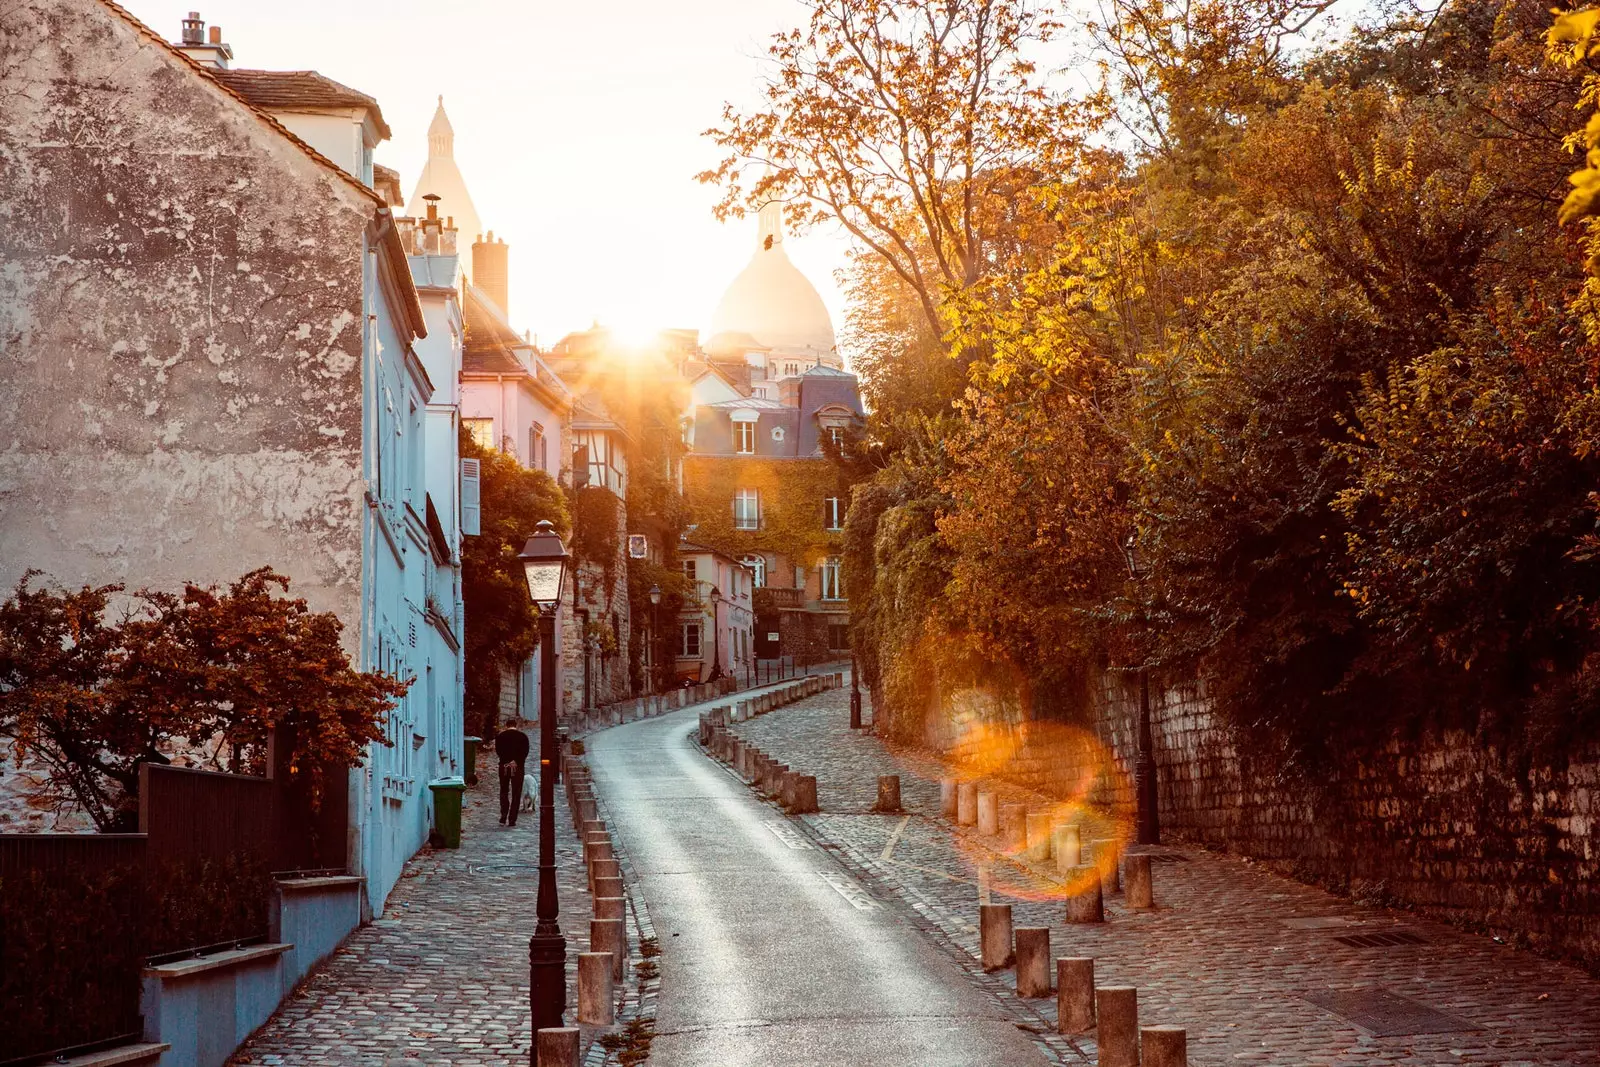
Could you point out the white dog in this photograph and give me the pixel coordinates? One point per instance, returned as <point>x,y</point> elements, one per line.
<point>529,791</point>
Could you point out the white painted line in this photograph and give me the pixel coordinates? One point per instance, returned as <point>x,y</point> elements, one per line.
<point>788,835</point>
<point>894,839</point>
<point>858,897</point>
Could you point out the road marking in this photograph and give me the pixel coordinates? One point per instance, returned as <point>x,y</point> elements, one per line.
<point>787,834</point>
<point>858,897</point>
<point>894,839</point>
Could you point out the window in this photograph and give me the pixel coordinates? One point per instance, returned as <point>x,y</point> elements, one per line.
<point>836,435</point>
<point>482,431</point>
<point>744,438</point>
<point>777,433</point>
<point>689,569</point>
<point>832,587</point>
<point>758,568</point>
<point>791,370</point>
<point>838,637</point>
<point>747,509</point>
<point>832,513</point>
<point>537,447</point>
<point>689,641</point>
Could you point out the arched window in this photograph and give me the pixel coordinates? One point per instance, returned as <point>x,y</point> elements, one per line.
<point>758,567</point>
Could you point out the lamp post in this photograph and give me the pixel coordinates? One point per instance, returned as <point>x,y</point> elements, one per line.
<point>1147,820</point>
<point>545,562</point>
<point>655,636</point>
<point>716,635</point>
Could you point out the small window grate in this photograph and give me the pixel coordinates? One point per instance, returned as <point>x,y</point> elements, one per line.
<point>1382,940</point>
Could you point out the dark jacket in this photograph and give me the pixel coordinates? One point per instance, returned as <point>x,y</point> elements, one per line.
<point>511,746</point>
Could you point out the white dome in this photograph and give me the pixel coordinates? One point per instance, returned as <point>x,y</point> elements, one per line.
<point>772,301</point>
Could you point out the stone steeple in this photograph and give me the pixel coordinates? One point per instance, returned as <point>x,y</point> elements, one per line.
<point>442,177</point>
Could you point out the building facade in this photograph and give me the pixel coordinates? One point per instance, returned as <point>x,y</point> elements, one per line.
<point>715,635</point>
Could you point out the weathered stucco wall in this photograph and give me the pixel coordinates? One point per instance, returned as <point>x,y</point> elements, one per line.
<point>181,324</point>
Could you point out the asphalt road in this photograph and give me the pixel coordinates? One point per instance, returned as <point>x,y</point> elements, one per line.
<point>770,953</point>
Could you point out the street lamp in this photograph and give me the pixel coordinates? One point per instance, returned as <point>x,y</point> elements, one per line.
<point>546,563</point>
<point>1147,820</point>
<point>855,693</point>
<point>655,635</point>
<point>716,635</point>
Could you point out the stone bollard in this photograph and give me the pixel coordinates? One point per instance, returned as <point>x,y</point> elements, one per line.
<point>557,1046</point>
<point>1014,827</point>
<point>805,794</point>
<point>1108,857</point>
<point>775,779</point>
<point>967,804</point>
<point>1140,893</point>
<point>786,789</point>
<point>1040,829</point>
<point>1033,961</point>
<point>1116,1009</point>
<point>888,793</point>
<point>610,907</point>
<point>588,810</point>
<point>610,935</point>
<point>593,826</point>
<point>608,887</point>
<point>1085,904</point>
<point>1068,848</point>
<point>1074,995</point>
<point>988,813</point>
<point>607,868</point>
<point>594,989</point>
<point>1163,1046</point>
<point>948,803</point>
<point>994,936</point>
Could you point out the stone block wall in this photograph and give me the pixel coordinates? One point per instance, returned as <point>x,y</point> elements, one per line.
<point>1443,822</point>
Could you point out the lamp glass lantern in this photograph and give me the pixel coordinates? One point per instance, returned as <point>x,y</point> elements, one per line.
<point>655,594</point>
<point>545,562</point>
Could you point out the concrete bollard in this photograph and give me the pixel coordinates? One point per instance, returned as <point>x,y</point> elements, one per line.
<point>1116,1009</point>
<point>1068,847</point>
<point>775,779</point>
<point>994,936</point>
<point>1033,961</point>
<point>608,887</point>
<point>786,789</point>
<point>805,794</point>
<point>967,804</point>
<point>1163,1046</point>
<point>988,813</point>
<point>594,989</point>
<point>1040,829</point>
<point>1085,903</point>
<point>557,1046</point>
<point>1014,827</point>
<point>1107,855</point>
<point>948,803</point>
<point>610,935</point>
<point>610,907</point>
<point>1074,995</point>
<point>1140,893</point>
<point>888,793</point>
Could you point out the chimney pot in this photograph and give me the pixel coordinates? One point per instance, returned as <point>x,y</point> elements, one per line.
<point>216,35</point>
<point>194,29</point>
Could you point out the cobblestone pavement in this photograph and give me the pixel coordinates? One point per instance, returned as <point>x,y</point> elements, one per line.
<point>442,977</point>
<point>1230,951</point>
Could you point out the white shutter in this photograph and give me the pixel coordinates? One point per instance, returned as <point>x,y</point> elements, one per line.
<point>469,497</point>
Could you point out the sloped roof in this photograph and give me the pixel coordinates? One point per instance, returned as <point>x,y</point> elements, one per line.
<point>757,403</point>
<point>299,88</point>
<point>487,340</point>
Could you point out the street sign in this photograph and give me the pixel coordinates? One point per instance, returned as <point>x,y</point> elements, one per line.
<point>638,546</point>
<point>772,637</point>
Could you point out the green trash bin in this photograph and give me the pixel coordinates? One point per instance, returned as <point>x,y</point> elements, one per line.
<point>469,753</point>
<point>447,810</point>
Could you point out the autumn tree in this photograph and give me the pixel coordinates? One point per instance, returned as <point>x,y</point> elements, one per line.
<point>501,629</point>
<point>95,682</point>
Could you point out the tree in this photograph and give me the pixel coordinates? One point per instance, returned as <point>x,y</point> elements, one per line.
<point>501,629</point>
<point>91,691</point>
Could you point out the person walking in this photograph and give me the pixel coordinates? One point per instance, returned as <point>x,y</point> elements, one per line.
<point>511,746</point>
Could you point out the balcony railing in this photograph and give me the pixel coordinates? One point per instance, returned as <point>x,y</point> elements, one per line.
<point>769,598</point>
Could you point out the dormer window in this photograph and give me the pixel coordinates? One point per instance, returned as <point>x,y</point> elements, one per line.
<point>744,438</point>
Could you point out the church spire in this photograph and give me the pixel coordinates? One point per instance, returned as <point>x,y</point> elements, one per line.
<point>441,135</point>
<point>771,232</point>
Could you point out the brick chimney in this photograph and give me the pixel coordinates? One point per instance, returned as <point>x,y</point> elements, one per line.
<point>205,49</point>
<point>491,271</point>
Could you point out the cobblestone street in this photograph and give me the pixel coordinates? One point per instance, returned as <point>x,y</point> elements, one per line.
<point>442,976</point>
<point>1230,952</point>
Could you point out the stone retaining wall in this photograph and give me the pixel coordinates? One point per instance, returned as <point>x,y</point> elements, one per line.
<point>1444,822</point>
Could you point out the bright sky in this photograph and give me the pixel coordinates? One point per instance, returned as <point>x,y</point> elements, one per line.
<point>577,130</point>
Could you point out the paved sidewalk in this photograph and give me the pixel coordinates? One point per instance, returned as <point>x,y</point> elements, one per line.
<point>1231,951</point>
<point>442,976</point>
